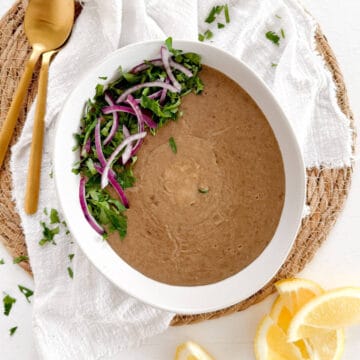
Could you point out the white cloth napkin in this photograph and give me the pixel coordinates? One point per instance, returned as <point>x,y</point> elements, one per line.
<point>87,317</point>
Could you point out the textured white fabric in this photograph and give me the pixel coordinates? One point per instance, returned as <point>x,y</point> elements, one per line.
<point>86,317</point>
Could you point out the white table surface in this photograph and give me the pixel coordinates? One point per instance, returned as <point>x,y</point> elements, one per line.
<point>337,263</point>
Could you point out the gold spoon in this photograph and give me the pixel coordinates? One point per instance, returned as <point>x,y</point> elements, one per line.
<point>48,24</point>
<point>34,169</point>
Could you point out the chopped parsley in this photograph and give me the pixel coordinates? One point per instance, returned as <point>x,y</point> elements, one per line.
<point>203,190</point>
<point>45,211</point>
<point>12,330</point>
<point>273,37</point>
<point>71,256</point>
<point>8,302</point>
<point>227,15</point>
<point>2,261</point>
<point>103,77</point>
<point>278,16</point>
<point>48,234</point>
<point>220,25</point>
<point>70,272</point>
<point>54,217</point>
<point>51,174</point>
<point>274,65</point>
<point>25,291</point>
<point>282,32</point>
<point>20,259</point>
<point>216,10</point>
<point>208,34</point>
<point>172,144</point>
<point>107,210</point>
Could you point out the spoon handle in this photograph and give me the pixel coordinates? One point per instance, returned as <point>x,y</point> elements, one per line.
<point>34,169</point>
<point>15,107</point>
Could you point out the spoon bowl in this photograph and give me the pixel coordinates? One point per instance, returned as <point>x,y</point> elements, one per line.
<point>47,26</point>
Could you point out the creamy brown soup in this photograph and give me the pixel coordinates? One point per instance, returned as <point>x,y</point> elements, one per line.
<point>203,214</point>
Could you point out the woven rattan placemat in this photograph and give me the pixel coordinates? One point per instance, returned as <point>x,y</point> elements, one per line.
<point>326,188</point>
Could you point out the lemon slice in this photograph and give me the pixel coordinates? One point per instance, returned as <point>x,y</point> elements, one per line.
<point>325,344</point>
<point>190,350</point>
<point>332,310</point>
<point>271,343</point>
<point>295,293</point>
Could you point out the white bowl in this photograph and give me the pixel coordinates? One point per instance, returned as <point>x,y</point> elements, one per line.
<point>180,299</point>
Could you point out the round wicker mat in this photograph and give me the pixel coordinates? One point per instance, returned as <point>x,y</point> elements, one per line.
<point>326,188</point>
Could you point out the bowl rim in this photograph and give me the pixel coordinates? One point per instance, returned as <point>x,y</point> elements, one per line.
<point>183,299</point>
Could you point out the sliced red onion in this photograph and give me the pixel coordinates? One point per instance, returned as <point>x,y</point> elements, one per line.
<point>127,153</point>
<point>98,146</point>
<point>86,148</point>
<point>115,124</point>
<point>84,207</point>
<point>163,93</point>
<point>121,146</point>
<point>114,183</point>
<point>144,66</point>
<point>164,52</point>
<point>180,67</point>
<point>140,117</point>
<point>160,84</point>
<point>109,109</point>
<point>112,177</point>
<point>154,96</point>
<point>158,62</point>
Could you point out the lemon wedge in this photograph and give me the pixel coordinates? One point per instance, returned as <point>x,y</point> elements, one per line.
<point>333,310</point>
<point>271,343</point>
<point>190,350</point>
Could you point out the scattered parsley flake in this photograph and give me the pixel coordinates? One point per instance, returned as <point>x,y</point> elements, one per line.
<point>20,259</point>
<point>103,77</point>
<point>71,256</point>
<point>272,36</point>
<point>51,174</point>
<point>8,302</point>
<point>282,32</point>
<point>2,262</point>
<point>172,144</point>
<point>67,232</point>
<point>278,16</point>
<point>12,330</point>
<point>203,190</point>
<point>25,291</point>
<point>70,272</point>
<point>45,211</point>
<point>201,37</point>
<point>48,234</point>
<point>227,15</point>
<point>216,10</point>
<point>220,25</point>
<point>274,65</point>
<point>54,216</point>
<point>208,34</point>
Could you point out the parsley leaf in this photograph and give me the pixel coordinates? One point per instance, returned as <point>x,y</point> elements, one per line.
<point>2,262</point>
<point>12,330</point>
<point>227,15</point>
<point>213,12</point>
<point>220,25</point>
<point>20,259</point>
<point>27,292</point>
<point>208,34</point>
<point>8,302</point>
<point>272,36</point>
<point>201,37</point>
<point>203,190</point>
<point>54,217</point>
<point>70,272</point>
<point>173,146</point>
<point>48,234</point>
